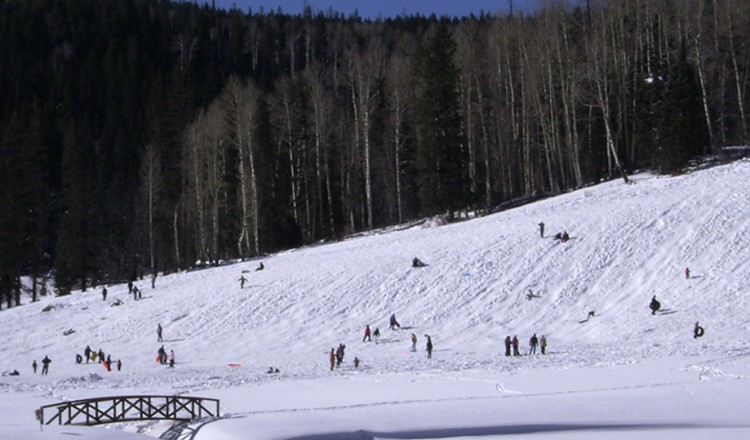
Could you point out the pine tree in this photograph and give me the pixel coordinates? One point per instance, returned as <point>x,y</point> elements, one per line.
<point>72,256</point>
<point>10,230</point>
<point>681,126</point>
<point>442,181</point>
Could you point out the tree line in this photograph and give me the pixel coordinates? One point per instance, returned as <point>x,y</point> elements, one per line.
<point>143,136</point>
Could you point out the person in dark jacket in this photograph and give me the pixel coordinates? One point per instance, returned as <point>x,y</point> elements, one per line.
<point>533,342</point>
<point>541,229</point>
<point>543,344</point>
<point>655,305</point>
<point>33,365</point>
<point>507,345</point>
<point>429,346</point>
<point>515,346</point>
<point>340,354</point>
<point>87,353</point>
<point>393,322</point>
<point>45,365</point>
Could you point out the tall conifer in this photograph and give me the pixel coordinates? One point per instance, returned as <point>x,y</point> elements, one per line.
<point>440,161</point>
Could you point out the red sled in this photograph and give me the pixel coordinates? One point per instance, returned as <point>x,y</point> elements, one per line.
<point>235,365</point>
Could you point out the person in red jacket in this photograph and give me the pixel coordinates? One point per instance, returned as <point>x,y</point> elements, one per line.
<point>367,334</point>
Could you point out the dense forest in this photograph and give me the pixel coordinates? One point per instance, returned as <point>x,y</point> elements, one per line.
<point>149,136</point>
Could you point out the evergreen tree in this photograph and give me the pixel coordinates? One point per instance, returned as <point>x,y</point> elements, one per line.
<point>72,256</point>
<point>681,126</point>
<point>442,180</point>
<point>278,230</point>
<point>10,224</point>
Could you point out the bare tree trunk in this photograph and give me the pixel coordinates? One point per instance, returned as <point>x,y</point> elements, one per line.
<point>600,69</point>
<point>739,83</point>
<point>176,231</point>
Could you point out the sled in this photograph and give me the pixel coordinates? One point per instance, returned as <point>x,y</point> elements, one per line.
<point>235,365</point>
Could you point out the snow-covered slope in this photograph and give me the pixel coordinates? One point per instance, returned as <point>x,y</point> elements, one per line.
<point>628,243</point>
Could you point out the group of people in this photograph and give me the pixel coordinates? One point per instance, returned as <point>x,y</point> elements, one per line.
<point>98,356</point>
<point>337,356</point>
<point>88,354</point>
<point>135,291</point>
<point>163,358</point>
<point>511,345</point>
<point>45,366</point>
<point>242,278</point>
<point>132,290</point>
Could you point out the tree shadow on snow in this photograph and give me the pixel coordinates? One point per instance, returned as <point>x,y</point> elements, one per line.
<point>493,430</point>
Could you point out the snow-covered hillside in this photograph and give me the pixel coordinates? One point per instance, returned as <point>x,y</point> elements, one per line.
<point>628,243</point>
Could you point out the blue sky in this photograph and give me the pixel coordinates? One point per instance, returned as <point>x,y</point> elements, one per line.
<point>384,8</point>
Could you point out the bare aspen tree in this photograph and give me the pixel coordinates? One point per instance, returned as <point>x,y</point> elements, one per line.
<point>320,104</point>
<point>735,13</point>
<point>193,158</point>
<point>696,19</point>
<point>600,65</point>
<point>400,97</point>
<point>365,69</point>
<point>285,103</point>
<point>565,53</point>
<point>504,100</point>
<point>213,141</point>
<point>239,101</point>
<point>152,188</point>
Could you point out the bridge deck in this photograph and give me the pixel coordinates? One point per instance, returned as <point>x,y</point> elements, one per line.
<point>128,408</point>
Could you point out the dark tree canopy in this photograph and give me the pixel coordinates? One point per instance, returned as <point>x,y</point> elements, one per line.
<point>147,135</point>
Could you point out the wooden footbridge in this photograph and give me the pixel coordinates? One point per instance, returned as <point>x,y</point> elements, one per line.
<point>128,409</point>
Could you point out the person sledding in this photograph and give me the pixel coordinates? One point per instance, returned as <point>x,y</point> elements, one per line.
<point>416,262</point>
<point>531,295</point>
<point>698,330</point>
<point>562,236</point>
<point>655,305</point>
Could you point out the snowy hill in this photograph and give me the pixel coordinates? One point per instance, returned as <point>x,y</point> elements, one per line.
<point>628,243</point>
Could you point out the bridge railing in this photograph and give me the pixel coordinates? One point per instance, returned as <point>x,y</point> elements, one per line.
<point>128,408</point>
